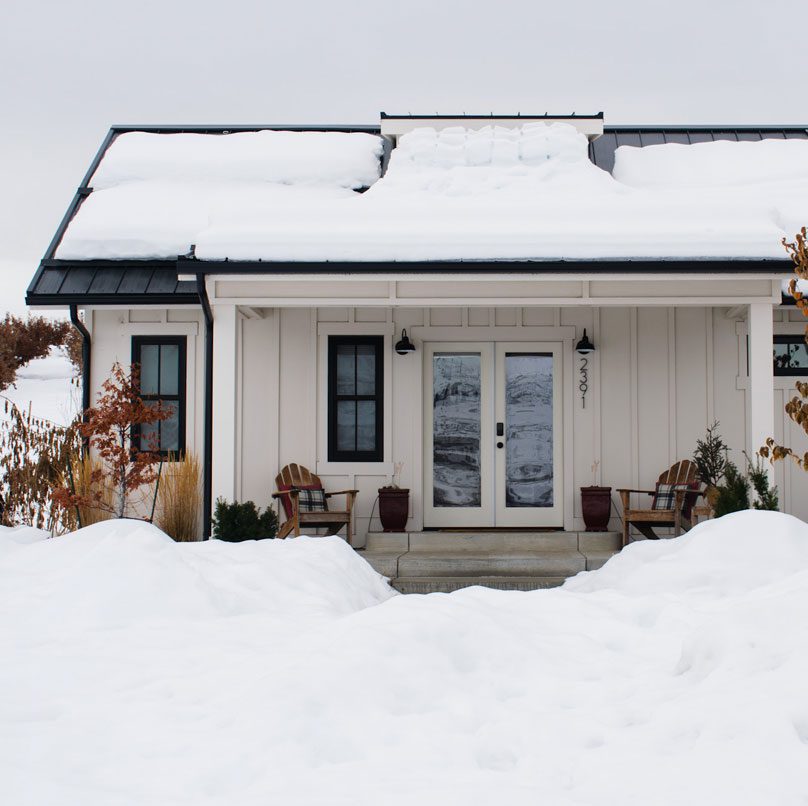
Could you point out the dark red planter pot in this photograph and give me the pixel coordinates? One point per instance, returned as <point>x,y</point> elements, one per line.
<point>596,504</point>
<point>394,507</point>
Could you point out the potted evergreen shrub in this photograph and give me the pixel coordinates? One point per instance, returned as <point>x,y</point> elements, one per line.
<point>711,461</point>
<point>394,503</point>
<point>596,504</point>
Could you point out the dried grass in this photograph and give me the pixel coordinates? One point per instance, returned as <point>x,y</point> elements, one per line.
<point>83,470</point>
<point>179,499</point>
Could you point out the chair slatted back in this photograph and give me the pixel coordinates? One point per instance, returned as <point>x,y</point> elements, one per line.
<point>295,475</point>
<point>683,472</point>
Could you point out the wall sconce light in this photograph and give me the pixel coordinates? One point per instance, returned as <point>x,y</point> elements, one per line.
<point>584,347</point>
<point>404,346</point>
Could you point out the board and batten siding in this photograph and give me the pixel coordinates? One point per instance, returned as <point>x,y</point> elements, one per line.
<point>658,377</point>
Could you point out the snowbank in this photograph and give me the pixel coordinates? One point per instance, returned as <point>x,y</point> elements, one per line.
<point>497,193</point>
<point>720,163</point>
<point>49,387</point>
<point>286,672</point>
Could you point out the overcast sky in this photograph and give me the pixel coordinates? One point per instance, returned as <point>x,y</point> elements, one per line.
<point>70,69</point>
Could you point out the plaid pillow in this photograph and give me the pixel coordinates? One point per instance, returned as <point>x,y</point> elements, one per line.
<point>665,497</point>
<point>312,501</point>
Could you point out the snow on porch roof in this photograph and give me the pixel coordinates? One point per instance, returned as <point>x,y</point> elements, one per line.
<point>525,192</point>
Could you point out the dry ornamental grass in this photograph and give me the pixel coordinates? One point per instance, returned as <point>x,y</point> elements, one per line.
<point>179,499</point>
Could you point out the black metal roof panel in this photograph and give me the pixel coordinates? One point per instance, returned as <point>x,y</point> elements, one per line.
<point>104,282</point>
<point>601,150</point>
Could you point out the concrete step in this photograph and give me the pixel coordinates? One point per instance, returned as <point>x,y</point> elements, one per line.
<point>493,541</point>
<point>597,559</point>
<point>447,584</point>
<point>385,562</point>
<point>475,563</point>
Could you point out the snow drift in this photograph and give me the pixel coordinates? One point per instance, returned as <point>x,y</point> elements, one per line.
<point>288,672</point>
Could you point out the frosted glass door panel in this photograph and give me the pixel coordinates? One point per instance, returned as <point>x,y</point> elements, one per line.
<point>456,394</point>
<point>528,430</point>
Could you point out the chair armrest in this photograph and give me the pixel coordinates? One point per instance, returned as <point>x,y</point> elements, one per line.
<point>342,492</point>
<point>647,492</point>
<point>291,493</point>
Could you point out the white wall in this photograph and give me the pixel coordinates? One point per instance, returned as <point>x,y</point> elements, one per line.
<point>658,378</point>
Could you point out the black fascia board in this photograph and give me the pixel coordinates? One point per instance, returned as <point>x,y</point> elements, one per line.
<point>492,115</point>
<point>197,128</point>
<point>187,265</point>
<point>712,127</point>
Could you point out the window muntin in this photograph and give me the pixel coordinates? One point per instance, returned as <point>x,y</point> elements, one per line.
<point>162,362</point>
<point>355,398</point>
<point>790,355</point>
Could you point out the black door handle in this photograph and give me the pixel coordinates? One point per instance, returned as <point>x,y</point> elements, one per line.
<point>500,444</point>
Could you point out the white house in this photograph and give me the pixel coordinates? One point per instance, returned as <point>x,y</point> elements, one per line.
<point>263,276</point>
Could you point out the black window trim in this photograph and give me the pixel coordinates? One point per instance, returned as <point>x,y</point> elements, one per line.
<point>182,392</point>
<point>788,338</point>
<point>334,454</point>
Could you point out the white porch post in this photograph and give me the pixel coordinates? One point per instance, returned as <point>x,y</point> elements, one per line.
<point>760,417</point>
<point>225,346</point>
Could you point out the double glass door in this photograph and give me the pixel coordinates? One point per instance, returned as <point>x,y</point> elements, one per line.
<point>492,433</point>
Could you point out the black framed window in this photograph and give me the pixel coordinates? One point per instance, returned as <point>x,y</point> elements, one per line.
<point>162,361</point>
<point>790,355</point>
<point>355,398</point>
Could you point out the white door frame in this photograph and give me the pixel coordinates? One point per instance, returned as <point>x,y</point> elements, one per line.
<point>493,511</point>
<point>540,517</point>
<point>461,516</point>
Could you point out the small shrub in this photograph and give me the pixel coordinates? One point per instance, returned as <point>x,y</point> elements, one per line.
<point>710,457</point>
<point>765,495</point>
<point>236,522</point>
<point>733,494</point>
<point>179,499</point>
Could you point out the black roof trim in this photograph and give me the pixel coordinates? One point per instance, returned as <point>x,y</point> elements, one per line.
<point>197,128</point>
<point>491,115</point>
<point>565,266</point>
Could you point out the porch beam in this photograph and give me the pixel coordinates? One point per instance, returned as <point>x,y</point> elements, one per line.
<point>760,416</point>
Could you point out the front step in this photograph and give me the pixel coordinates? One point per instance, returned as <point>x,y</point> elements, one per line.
<point>491,564</point>
<point>450,584</point>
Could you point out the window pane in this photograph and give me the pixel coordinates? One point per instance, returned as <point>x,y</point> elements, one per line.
<point>365,369</point>
<point>150,434</point>
<point>791,355</point>
<point>169,369</point>
<point>346,369</point>
<point>457,481</point>
<point>366,425</point>
<point>528,430</point>
<point>170,432</point>
<point>346,425</point>
<point>149,360</point>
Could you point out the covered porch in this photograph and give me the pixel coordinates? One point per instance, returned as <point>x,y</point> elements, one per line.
<point>675,350</point>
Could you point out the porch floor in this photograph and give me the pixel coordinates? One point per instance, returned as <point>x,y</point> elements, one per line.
<point>429,562</point>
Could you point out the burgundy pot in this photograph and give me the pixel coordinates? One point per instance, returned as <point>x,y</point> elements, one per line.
<point>394,507</point>
<point>596,504</point>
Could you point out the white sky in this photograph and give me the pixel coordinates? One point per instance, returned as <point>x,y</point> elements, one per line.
<point>70,69</point>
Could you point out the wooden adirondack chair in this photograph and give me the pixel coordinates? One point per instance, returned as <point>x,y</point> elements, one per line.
<point>679,514</point>
<point>294,478</point>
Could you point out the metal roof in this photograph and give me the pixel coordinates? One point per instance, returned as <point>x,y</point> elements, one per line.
<point>601,151</point>
<point>110,282</point>
<point>101,282</point>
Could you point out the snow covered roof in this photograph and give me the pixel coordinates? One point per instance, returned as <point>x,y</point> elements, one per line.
<point>528,192</point>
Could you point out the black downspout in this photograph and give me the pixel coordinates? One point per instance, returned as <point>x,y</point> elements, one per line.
<point>86,357</point>
<point>207,462</point>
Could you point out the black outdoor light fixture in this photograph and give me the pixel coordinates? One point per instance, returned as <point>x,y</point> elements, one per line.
<point>405,345</point>
<point>584,348</point>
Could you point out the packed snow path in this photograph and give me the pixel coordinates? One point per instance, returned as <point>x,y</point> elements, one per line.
<point>138,671</point>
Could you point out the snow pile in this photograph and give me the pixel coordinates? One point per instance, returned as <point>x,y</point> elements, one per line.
<point>524,193</point>
<point>138,671</point>
<point>154,195</point>
<point>278,157</point>
<point>720,163</point>
<point>48,386</point>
